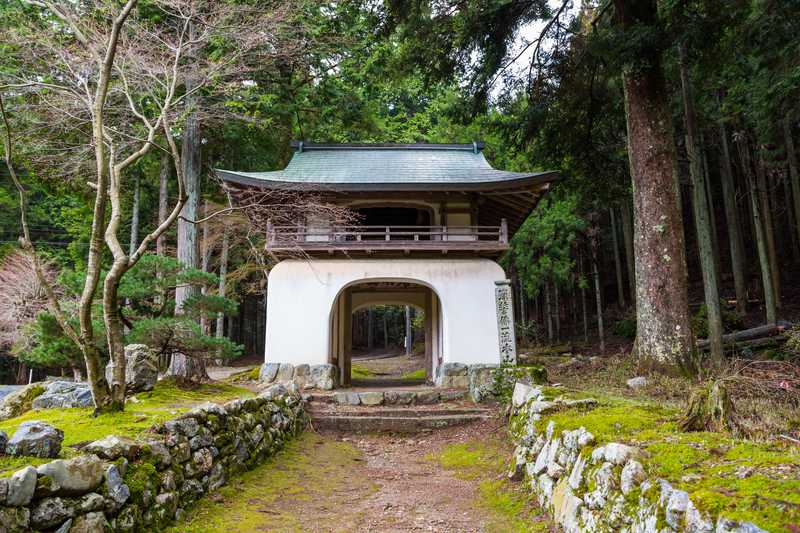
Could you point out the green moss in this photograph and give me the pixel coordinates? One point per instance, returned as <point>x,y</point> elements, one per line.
<point>251,374</point>
<point>165,401</point>
<point>358,371</point>
<point>709,466</point>
<point>139,477</point>
<point>416,375</point>
<point>305,481</point>
<point>509,507</point>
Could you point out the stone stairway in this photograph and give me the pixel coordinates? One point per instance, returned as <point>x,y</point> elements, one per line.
<point>394,411</point>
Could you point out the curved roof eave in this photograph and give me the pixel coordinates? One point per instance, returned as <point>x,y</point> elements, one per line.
<point>276,180</point>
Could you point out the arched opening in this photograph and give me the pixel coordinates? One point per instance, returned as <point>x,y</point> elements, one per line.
<point>392,328</point>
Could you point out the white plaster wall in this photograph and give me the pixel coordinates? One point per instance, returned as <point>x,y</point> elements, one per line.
<point>301,295</point>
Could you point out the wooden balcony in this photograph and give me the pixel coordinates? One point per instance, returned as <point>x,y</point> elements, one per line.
<point>373,239</point>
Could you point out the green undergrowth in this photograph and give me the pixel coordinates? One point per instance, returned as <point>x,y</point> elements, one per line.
<point>142,410</point>
<point>509,506</point>
<point>745,480</point>
<point>293,491</point>
<point>416,375</point>
<point>250,374</point>
<point>358,371</point>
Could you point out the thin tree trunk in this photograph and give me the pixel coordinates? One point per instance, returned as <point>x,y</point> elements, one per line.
<point>134,243</point>
<point>758,225</point>
<point>205,258</point>
<point>617,259</point>
<point>769,230</point>
<point>408,329</point>
<point>548,313</point>
<point>163,198</point>
<point>732,217</point>
<point>794,174</point>
<point>664,332</point>
<point>795,243</point>
<point>557,311</point>
<point>711,208</point>
<point>701,213</point>
<point>223,273</point>
<point>370,338</point>
<point>627,235</point>
<point>599,303</point>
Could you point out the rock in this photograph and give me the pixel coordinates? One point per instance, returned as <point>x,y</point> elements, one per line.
<point>14,519</point>
<point>429,397</point>
<point>159,452</point>
<point>3,490</point>
<point>454,369</point>
<point>632,475</point>
<point>3,442</point>
<point>452,395</point>
<point>676,508</point>
<point>64,394</point>
<point>454,376</point>
<point>21,487</point>
<point>370,398</point>
<point>637,383</point>
<point>90,523</point>
<point>20,401</point>
<point>118,491</point>
<point>401,397</point>
<point>347,398</point>
<point>523,393</point>
<point>141,368</point>
<point>37,439</point>
<point>724,525</point>
<point>285,372</point>
<point>540,407</point>
<point>185,425</point>
<point>65,527</point>
<point>555,470</point>
<point>203,459</point>
<point>268,372</point>
<point>216,478</point>
<point>576,475</point>
<point>90,502</point>
<point>114,447</point>
<point>481,381</point>
<point>49,512</point>
<point>695,522</point>
<point>324,376</point>
<point>74,477</point>
<point>604,478</point>
<point>615,453</point>
<point>273,392</point>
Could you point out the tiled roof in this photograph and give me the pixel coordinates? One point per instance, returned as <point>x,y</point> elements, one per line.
<point>385,166</point>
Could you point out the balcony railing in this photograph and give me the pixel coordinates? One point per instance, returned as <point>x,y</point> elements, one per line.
<point>373,238</point>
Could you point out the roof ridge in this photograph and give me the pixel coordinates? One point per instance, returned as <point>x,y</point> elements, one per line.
<point>302,146</point>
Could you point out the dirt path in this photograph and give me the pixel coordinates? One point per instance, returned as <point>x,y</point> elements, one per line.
<point>447,481</point>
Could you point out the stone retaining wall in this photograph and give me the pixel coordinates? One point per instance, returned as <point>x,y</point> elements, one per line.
<point>587,487</point>
<point>120,484</point>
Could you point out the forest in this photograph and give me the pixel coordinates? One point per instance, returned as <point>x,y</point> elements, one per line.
<point>675,223</point>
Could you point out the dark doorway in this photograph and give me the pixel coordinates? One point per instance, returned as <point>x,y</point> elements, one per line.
<point>394,216</point>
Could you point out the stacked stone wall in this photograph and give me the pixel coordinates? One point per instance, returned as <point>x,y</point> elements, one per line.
<point>591,487</point>
<point>125,485</point>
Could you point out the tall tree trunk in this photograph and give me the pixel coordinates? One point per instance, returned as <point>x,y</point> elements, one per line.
<point>732,217</point>
<point>205,258</point>
<point>664,333</point>
<point>557,311</point>
<point>548,312</point>
<point>370,338</point>
<point>182,365</point>
<point>711,209</point>
<point>701,213</point>
<point>769,230</point>
<point>165,170</point>
<point>758,226</point>
<point>409,340</point>
<point>223,273</point>
<point>599,303</point>
<point>627,235</point>
<point>794,173</point>
<point>617,259</point>
<point>794,241</point>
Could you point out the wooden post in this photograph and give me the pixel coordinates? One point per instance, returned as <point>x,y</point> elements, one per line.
<point>429,333</point>
<point>503,231</point>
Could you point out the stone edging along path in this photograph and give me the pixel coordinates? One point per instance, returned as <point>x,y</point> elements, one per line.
<point>598,488</point>
<point>120,484</point>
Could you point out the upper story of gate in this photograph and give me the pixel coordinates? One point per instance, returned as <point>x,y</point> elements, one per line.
<point>403,199</point>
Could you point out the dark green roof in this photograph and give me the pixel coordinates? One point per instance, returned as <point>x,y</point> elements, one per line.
<point>388,167</point>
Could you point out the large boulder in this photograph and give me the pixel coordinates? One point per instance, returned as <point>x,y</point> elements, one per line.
<point>19,401</point>
<point>141,368</point>
<point>74,477</point>
<point>324,376</point>
<point>64,394</point>
<point>37,439</point>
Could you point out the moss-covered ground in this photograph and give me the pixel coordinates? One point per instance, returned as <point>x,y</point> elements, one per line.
<point>742,480</point>
<point>485,461</point>
<point>297,490</point>
<point>142,410</point>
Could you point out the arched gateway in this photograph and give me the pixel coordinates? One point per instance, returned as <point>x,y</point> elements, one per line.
<point>434,218</point>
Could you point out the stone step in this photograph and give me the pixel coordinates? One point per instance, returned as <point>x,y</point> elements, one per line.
<point>375,422</point>
<point>399,412</point>
<point>373,397</point>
